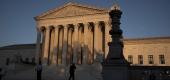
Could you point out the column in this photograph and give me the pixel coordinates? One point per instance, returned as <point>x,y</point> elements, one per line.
<point>76,43</point>
<point>51,44</point>
<point>71,42</point>
<point>85,50</point>
<point>100,38</point>
<point>90,55</point>
<point>46,48</point>
<point>69,54</point>
<point>81,43</point>
<point>96,37</point>
<point>65,43</point>
<point>38,44</point>
<point>60,45</point>
<point>55,45</point>
<point>107,36</point>
<point>43,43</point>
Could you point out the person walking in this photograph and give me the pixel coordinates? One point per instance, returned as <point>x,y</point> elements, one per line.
<point>72,71</point>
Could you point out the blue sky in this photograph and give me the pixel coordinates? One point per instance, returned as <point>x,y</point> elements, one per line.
<point>141,18</point>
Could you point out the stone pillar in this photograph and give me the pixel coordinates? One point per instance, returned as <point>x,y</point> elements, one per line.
<point>96,37</point>
<point>85,50</point>
<point>70,47</point>
<point>90,44</point>
<point>52,32</point>
<point>46,47</point>
<point>65,44</point>
<point>54,61</point>
<point>43,43</point>
<point>100,40</point>
<point>38,48</point>
<point>60,45</point>
<point>81,44</point>
<point>76,43</point>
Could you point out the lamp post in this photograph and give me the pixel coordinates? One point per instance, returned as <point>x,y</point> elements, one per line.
<point>115,67</point>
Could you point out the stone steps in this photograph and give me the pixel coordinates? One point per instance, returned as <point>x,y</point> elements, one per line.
<point>53,72</point>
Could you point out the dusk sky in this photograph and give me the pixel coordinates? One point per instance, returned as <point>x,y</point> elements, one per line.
<point>140,18</point>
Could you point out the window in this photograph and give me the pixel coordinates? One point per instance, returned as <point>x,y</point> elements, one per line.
<point>150,59</point>
<point>140,59</point>
<point>161,59</point>
<point>130,59</point>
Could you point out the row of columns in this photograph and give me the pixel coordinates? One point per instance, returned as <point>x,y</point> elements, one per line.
<point>82,41</point>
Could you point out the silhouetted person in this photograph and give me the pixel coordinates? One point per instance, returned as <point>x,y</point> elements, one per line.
<point>0,73</point>
<point>72,70</point>
<point>152,76</point>
<point>7,61</point>
<point>39,71</point>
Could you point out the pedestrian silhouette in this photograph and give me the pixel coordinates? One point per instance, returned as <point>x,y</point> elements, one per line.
<point>152,76</point>
<point>0,73</point>
<point>39,71</point>
<point>72,70</point>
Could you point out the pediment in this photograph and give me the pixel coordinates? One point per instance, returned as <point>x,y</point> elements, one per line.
<point>70,10</point>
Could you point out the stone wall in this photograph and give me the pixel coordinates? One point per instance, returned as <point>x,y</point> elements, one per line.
<point>149,73</point>
<point>10,56</point>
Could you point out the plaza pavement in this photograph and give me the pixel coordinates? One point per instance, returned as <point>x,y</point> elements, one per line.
<point>53,72</point>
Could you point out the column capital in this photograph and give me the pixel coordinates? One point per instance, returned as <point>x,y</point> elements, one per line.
<point>108,22</point>
<point>76,26</point>
<point>47,28</point>
<point>51,27</point>
<point>71,29</point>
<point>40,29</point>
<point>96,22</point>
<point>86,24</point>
<point>65,26</point>
<point>56,27</point>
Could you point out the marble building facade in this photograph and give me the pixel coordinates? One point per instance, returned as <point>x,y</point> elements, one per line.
<point>77,33</point>
<point>73,33</point>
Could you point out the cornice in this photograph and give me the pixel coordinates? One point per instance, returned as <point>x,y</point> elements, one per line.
<point>152,40</point>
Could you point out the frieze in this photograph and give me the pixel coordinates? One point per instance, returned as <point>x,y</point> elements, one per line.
<point>70,10</point>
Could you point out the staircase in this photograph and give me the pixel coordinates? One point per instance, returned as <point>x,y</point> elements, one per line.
<point>59,72</point>
<point>83,72</point>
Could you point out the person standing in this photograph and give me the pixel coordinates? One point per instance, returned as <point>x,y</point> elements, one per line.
<point>1,73</point>
<point>72,71</point>
<point>39,71</point>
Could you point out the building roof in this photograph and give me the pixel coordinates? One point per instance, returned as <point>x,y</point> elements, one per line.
<point>18,47</point>
<point>74,9</point>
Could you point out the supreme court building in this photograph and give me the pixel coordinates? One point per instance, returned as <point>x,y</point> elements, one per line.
<point>73,33</point>
<point>76,33</point>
